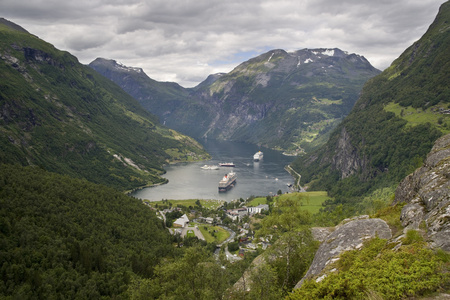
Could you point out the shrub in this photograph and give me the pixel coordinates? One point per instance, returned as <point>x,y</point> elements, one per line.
<point>379,272</point>
<point>412,236</point>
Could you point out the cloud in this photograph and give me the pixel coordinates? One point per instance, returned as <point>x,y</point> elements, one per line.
<point>186,40</point>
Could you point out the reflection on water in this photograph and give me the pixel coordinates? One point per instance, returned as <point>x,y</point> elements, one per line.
<point>190,181</point>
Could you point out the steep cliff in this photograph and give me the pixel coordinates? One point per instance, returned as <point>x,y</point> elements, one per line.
<point>426,193</point>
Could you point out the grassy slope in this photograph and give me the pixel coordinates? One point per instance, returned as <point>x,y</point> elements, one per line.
<point>418,116</point>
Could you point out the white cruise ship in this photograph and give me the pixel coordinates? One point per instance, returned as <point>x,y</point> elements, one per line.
<point>258,156</point>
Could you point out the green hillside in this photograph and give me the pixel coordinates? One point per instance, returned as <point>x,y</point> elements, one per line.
<point>65,238</point>
<point>62,116</point>
<point>393,125</point>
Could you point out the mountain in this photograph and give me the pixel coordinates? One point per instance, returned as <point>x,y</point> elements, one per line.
<point>153,95</point>
<point>281,100</point>
<point>392,126</point>
<point>64,117</point>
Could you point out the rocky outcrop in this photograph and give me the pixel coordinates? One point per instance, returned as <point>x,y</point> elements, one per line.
<point>427,194</point>
<point>244,283</point>
<point>346,158</point>
<point>349,235</point>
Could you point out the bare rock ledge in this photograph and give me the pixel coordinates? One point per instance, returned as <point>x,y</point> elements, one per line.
<point>348,236</point>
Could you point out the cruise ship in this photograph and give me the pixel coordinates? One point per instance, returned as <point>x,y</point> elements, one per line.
<point>227,182</point>
<point>258,156</point>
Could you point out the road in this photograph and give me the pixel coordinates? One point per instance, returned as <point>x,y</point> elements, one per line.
<point>297,185</point>
<point>229,256</point>
<point>230,238</point>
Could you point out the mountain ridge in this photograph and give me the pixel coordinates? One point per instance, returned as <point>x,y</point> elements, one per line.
<point>259,99</point>
<point>62,116</point>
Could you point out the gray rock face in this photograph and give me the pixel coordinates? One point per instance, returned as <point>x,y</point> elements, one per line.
<point>348,236</point>
<point>346,158</point>
<point>321,233</point>
<point>427,194</point>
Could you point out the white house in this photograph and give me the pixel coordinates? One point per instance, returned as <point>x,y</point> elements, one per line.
<point>236,213</point>
<point>232,215</point>
<point>181,222</point>
<point>257,209</point>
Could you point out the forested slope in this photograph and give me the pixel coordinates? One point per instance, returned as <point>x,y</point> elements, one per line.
<point>67,238</point>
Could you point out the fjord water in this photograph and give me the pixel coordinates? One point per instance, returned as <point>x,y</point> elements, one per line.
<point>189,181</point>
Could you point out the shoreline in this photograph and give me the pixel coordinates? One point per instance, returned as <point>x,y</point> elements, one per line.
<point>128,192</point>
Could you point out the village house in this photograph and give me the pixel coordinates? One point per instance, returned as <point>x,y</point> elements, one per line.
<point>232,215</point>
<point>181,222</point>
<point>257,209</point>
<point>237,213</point>
<point>208,220</point>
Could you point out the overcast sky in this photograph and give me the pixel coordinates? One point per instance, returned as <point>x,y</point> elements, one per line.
<point>186,40</point>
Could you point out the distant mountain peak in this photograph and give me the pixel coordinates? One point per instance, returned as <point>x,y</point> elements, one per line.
<point>128,69</point>
<point>116,65</point>
<point>327,51</point>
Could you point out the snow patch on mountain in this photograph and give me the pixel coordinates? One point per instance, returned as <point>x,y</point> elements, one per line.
<point>329,52</point>
<point>121,66</point>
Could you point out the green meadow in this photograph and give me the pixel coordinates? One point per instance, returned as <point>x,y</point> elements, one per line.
<point>416,116</point>
<point>214,234</point>
<point>310,201</point>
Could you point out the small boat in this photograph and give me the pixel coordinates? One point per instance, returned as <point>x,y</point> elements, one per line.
<point>210,167</point>
<point>228,164</point>
<point>258,156</point>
